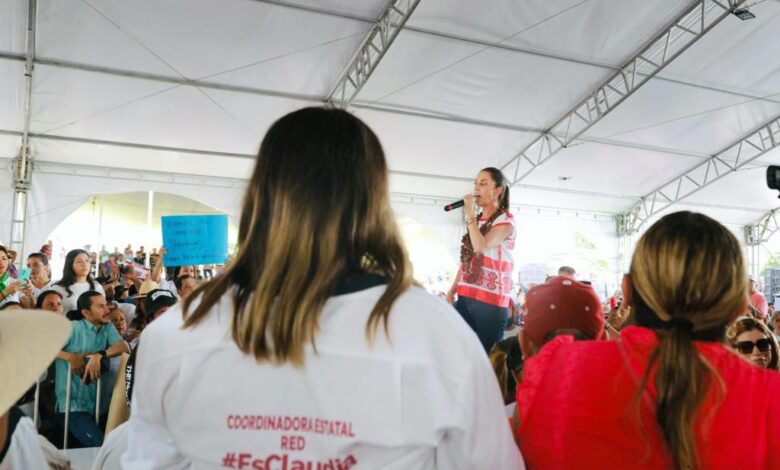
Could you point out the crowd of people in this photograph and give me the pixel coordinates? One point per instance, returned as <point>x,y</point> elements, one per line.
<point>108,303</point>
<point>314,348</point>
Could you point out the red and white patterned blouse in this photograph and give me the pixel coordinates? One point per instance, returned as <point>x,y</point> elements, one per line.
<point>495,285</point>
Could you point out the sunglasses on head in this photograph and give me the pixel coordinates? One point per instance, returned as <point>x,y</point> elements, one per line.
<point>746,347</point>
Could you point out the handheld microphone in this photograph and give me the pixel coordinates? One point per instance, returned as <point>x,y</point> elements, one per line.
<point>453,205</point>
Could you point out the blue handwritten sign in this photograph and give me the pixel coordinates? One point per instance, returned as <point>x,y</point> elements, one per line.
<point>195,239</point>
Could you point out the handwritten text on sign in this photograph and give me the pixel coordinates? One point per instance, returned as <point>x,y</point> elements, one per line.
<point>195,239</point>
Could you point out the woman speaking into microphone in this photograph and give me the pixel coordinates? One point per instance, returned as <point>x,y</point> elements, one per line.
<point>484,281</point>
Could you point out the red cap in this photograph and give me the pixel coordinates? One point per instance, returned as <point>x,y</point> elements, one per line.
<point>562,302</point>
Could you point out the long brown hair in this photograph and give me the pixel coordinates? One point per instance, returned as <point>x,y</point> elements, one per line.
<point>471,262</point>
<point>316,211</point>
<point>688,281</point>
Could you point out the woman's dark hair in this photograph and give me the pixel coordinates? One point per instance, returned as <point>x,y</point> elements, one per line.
<point>172,272</point>
<point>507,361</point>
<point>42,296</point>
<point>69,276</point>
<point>4,250</point>
<point>39,256</point>
<point>179,281</point>
<point>10,303</point>
<point>316,211</point>
<point>501,182</point>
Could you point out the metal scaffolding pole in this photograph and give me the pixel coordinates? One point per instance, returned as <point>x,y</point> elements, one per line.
<point>390,22</point>
<point>683,32</point>
<point>23,166</point>
<point>753,244</point>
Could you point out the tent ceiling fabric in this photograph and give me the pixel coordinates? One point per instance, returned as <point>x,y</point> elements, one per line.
<point>602,31</point>
<point>548,56</point>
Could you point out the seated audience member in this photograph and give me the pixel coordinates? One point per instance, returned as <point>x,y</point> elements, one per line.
<point>117,317</point>
<point>9,286</point>
<point>140,318</point>
<point>567,271</point>
<point>185,285</point>
<point>174,273</point>
<point>50,300</point>
<point>326,326</point>
<point>561,306</point>
<point>46,250</point>
<point>12,264</point>
<point>29,341</point>
<point>76,279</point>
<point>39,276</point>
<point>10,305</point>
<point>507,361</point>
<point>157,302</point>
<point>753,341</point>
<point>757,300</point>
<point>774,323</point>
<point>93,338</point>
<point>617,318</point>
<point>669,394</point>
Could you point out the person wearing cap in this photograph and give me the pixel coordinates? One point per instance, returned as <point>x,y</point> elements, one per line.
<point>561,306</point>
<point>157,302</point>
<point>93,338</point>
<point>668,393</point>
<point>757,299</point>
<point>29,341</point>
<point>140,317</point>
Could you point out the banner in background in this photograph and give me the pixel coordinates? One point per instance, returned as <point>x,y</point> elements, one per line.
<point>195,239</point>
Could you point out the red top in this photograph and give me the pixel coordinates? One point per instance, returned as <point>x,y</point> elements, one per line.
<point>576,409</point>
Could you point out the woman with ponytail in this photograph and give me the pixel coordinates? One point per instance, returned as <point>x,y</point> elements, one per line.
<point>484,281</point>
<point>668,393</point>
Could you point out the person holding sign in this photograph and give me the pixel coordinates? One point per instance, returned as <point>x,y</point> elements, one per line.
<point>314,348</point>
<point>177,272</point>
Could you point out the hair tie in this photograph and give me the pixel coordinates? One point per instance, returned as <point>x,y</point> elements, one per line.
<point>680,323</point>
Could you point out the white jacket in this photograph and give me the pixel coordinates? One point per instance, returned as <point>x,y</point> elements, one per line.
<point>425,399</point>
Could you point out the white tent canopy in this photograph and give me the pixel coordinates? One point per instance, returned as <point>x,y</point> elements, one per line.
<point>183,91</point>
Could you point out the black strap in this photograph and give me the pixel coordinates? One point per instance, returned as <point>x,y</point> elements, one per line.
<point>358,282</point>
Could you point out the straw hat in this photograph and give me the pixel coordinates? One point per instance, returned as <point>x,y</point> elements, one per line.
<point>147,286</point>
<point>29,342</point>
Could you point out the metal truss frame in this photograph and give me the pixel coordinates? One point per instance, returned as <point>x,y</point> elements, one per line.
<point>764,229</point>
<point>688,28</point>
<point>371,51</point>
<point>729,160</point>
<point>421,113</point>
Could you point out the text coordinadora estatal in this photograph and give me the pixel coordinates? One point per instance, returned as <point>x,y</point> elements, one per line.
<point>301,424</point>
